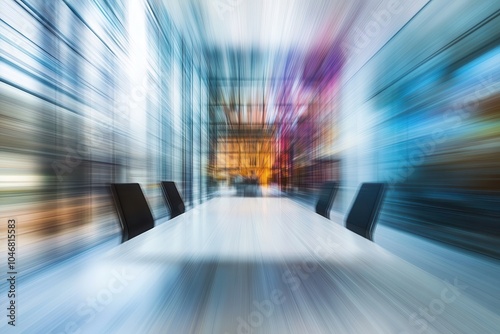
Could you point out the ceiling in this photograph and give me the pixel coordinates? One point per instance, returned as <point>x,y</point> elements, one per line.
<point>283,24</point>
<point>263,24</point>
<point>263,55</point>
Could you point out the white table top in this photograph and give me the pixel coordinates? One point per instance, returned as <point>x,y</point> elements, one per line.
<point>249,265</point>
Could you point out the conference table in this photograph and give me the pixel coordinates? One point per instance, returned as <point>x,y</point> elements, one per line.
<point>250,265</point>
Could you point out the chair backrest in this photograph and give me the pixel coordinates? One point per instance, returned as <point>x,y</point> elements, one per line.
<point>133,210</point>
<point>173,198</point>
<point>364,211</point>
<point>326,197</point>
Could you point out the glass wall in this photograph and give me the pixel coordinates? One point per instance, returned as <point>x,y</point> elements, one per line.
<point>93,93</point>
<point>423,116</point>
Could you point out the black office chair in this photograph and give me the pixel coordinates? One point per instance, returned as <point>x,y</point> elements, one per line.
<point>326,197</point>
<point>173,198</point>
<point>133,210</point>
<point>364,211</point>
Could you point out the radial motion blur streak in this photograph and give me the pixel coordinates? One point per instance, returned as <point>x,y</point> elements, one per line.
<point>282,95</point>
